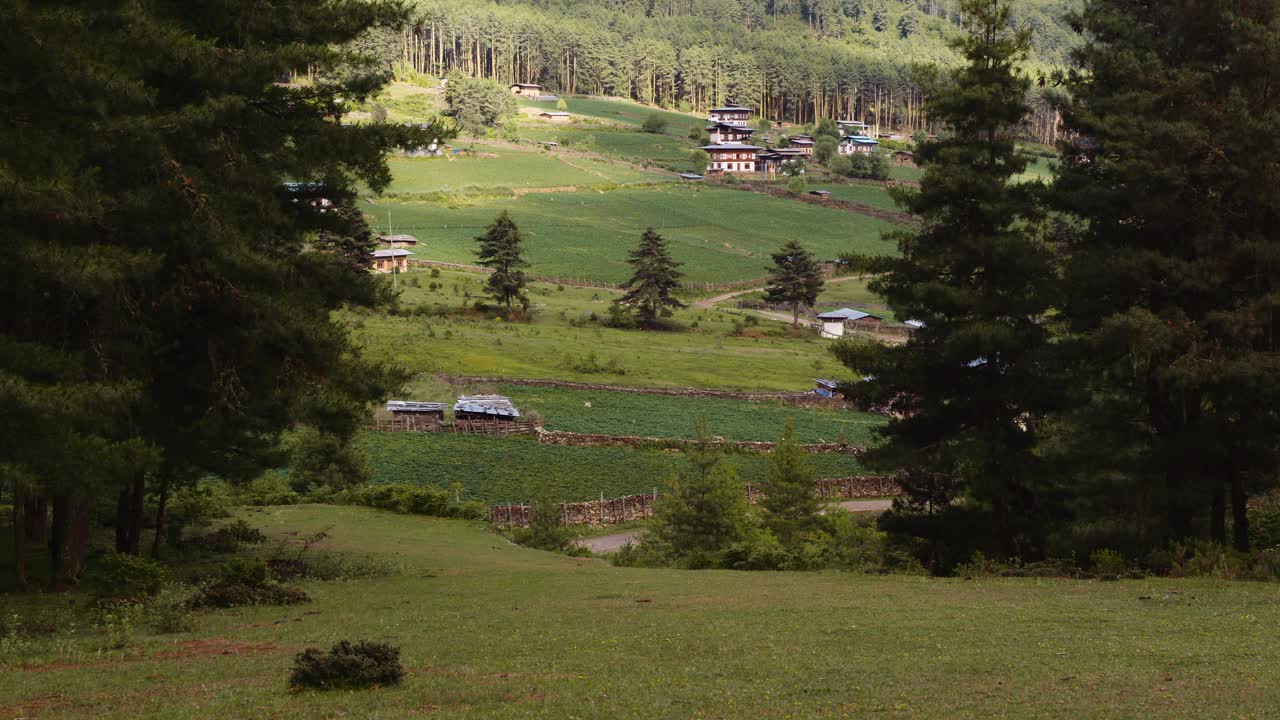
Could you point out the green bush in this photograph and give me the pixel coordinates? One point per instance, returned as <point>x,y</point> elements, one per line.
<point>241,531</point>
<point>249,572</point>
<point>546,529</point>
<point>121,575</point>
<point>654,123</point>
<point>226,596</point>
<point>1264,521</point>
<point>347,666</point>
<point>1106,561</point>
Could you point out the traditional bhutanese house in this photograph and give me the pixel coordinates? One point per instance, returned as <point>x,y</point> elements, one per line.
<point>770,161</point>
<point>526,89</point>
<point>889,136</point>
<point>868,322</point>
<point>433,411</point>
<point>485,407</point>
<point>731,115</point>
<point>857,144</point>
<point>398,241</point>
<point>726,133</point>
<point>803,143</point>
<point>731,158</point>
<point>853,127</point>
<point>904,157</point>
<point>555,116</point>
<point>391,259</point>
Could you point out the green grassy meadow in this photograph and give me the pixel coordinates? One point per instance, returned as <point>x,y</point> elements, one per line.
<point>615,413</point>
<point>720,235</point>
<point>520,469</point>
<point>630,144</point>
<point>874,195</point>
<point>561,341</point>
<point>491,630</point>
<point>504,167</point>
<point>624,112</point>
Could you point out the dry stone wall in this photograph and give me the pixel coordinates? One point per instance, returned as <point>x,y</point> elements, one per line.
<point>802,399</point>
<point>560,437</point>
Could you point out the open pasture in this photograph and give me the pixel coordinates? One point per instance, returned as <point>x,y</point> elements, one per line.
<point>624,112</point>
<point>615,413</point>
<point>624,143</point>
<point>491,630</point>
<point>563,342</point>
<point>719,235</point>
<point>507,167</point>
<point>520,469</point>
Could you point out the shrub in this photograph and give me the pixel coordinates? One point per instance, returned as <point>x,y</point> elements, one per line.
<point>169,615</point>
<point>347,666</point>
<point>226,596</point>
<point>546,529</point>
<point>241,531</point>
<point>249,572</point>
<point>1264,521</point>
<point>654,123</point>
<point>121,575</point>
<point>1106,561</point>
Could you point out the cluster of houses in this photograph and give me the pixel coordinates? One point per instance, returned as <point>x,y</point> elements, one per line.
<point>731,150</point>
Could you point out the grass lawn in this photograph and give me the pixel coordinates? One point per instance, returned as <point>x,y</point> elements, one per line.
<point>490,630</point>
<point>520,469</point>
<point>614,413</point>
<point>874,195</point>
<point>562,342</point>
<point>503,167</point>
<point>720,235</point>
<point>909,173</point>
<point>630,144</point>
<point>625,112</point>
<point>852,294</point>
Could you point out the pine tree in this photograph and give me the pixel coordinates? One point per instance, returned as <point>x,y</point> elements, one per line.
<point>654,278</point>
<point>500,250</point>
<point>970,382</point>
<point>789,502</point>
<point>705,510</point>
<point>1174,268</point>
<point>794,279</point>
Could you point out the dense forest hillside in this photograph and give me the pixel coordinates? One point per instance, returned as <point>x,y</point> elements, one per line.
<point>795,60</point>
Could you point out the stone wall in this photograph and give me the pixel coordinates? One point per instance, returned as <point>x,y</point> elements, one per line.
<point>560,437</point>
<point>802,399</point>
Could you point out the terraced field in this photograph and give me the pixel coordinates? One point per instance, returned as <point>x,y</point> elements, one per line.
<point>507,167</point>
<point>719,235</point>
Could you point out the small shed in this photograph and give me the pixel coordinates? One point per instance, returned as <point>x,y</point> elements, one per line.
<point>414,409</point>
<point>826,388</point>
<point>532,90</point>
<point>820,193</point>
<point>904,157</point>
<point>690,176</point>
<point>556,116</point>
<point>835,321</point>
<point>485,407</point>
<point>391,260</point>
<point>398,241</point>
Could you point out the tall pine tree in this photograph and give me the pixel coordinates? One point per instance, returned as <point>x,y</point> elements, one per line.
<point>795,279</point>
<point>789,503</point>
<point>501,251</point>
<point>970,382</point>
<point>655,277</point>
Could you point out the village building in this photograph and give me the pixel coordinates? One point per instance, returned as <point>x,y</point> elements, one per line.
<point>769,162</point>
<point>433,411</point>
<point>690,176</point>
<point>731,115</point>
<point>532,90</point>
<point>853,127</point>
<point>391,260</point>
<point>904,157</point>
<point>833,323</point>
<point>485,407</point>
<point>826,388</point>
<point>398,241</point>
<point>851,144</point>
<point>731,158</point>
<point>555,116</point>
<point>803,143</point>
<point>725,133</point>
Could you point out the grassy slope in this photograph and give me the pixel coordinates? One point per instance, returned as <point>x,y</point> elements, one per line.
<point>625,112</point>
<point>628,144</point>
<point>510,168</point>
<point>489,630</point>
<point>875,195</point>
<point>720,235</point>
<point>615,413</point>
<point>520,469</point>
<point>549,347</point>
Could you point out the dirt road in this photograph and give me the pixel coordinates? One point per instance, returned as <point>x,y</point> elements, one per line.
<point>708,302</point>
<point>604,544</point>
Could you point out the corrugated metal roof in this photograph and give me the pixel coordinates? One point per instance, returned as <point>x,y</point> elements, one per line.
<point>392,252</point>
<point>861,139</point>
<point>730,108</point>
<point>414,406</point>
<point>845,314</point>
<point>398,238</point>
<point>729,146</point>
<point>496,405</point>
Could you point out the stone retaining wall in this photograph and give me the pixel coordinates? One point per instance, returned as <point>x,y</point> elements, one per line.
<point>572,439</point>
<point>803,399</point>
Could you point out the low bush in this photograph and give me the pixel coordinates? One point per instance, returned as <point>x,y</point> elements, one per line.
<point>121,575</point>
<point>1264,521</point>
<point>417,500</point>
<point>1106,561</point>
<point>245,581</point>
<point>347,666</point>
<point>546,530</point>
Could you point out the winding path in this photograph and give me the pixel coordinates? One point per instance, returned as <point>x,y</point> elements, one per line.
<point>708,302</point>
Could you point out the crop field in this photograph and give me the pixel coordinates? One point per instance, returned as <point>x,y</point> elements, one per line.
<point>615,413</point>
<point>491,630</point>
<point>908,173</point>
<point>720,235</point>
<point>624,112</point>
<point>630,144</point>
<point>503,167</point>
<point>874,195</point>
<point>563,342</point>
<point>519,469</point>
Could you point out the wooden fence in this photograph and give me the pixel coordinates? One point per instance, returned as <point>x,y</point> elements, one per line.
<point>492,428</point>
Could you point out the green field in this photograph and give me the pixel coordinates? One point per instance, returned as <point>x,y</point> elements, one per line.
<point>615,413</point>
<point>909,173</point>
<point>852,294</point>
<point>504,167</point>
<point>874,195</point>
<point>520,469</point>
<point>491,630</point>
<point>720,235</point>
<point>629,144</point>
<point>624,112</point>
<point>561,338</point>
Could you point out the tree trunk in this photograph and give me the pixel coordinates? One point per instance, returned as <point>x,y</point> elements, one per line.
<point>79,540</point>
<point>160,508</point>
<point>1218,514</point>
<point>795,314</point>
<point>137,509</point>
<point>122,521</point>
<point>19,538</point>
<point>58,526</point>
<point>1239,513</point>
<point>37,518</point>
